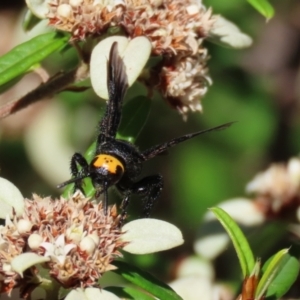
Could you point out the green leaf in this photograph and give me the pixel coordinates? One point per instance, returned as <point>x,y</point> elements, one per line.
<point>20,59</point>
<point>279,273</point>
<point>128,293</point>
<point>263,7</point>
<point>145,281</point>
<point>238,239</point>
<point>134,116</point>
<point>270,271</point>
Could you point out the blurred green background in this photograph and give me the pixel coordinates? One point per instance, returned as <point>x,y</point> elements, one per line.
<point>257,87</point>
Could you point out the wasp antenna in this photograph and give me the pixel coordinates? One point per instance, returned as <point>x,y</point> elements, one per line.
<point>72,180</point>
<point>156,150</point>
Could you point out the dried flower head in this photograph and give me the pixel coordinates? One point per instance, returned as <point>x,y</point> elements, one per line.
<point>175,28</point>
<point>184,81</point>
<point>85,17</point>
<point>80,240</point>
<point>73,239</point>
<point>278,188</point>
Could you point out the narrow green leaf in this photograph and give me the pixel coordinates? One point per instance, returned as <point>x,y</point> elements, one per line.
<point>145,281</point>
<point>21,58</point>
<point>129,293</point>
<point>279,273</point>
<point>134,116</point>
<point>238,239</point>
<point>263,7</point>
<point>270,272</point>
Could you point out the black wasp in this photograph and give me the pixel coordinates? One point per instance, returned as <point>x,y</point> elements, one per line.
<point>118,162</point>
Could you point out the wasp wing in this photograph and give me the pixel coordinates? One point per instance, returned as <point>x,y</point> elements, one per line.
<point>117,85</point>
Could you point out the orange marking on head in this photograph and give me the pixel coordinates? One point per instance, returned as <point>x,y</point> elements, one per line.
<point>108,162</point>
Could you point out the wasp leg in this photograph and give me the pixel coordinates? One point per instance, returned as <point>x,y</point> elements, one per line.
<point>124,206</point>
<point>77,158</point>
<point>150,188</point>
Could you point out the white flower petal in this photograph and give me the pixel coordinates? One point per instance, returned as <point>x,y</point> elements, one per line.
<point>242,210</point>
<point>150,235</point>
<point>68,248</point>
<point>195,265</point>
<point>50,156</point>
<point>77,294</point>
<point>60,241</point>
<point>49,247</point>
<point>135,54</point>
<point>293,168</point>
<point>26,260</point>
<point>193,288</point>
<point>95,237</point>
<point>223,291</point>
<point>98,65</point>
<point>38,7</point>
<point>211,246</point>
<point>10,196</point>
<point>90,294</point>
<point>227,34</point>
<point>58,250</point>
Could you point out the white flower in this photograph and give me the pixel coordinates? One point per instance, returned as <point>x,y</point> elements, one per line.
<point>38,7</point>
<point>278,186</point>
<point>195,266</point>
<point>211,245</point>
<point>150,235</point>
<point>228,34</point>
<point>135,53</point>
<point>193,288</point>
<point>10,197</point>
<point>59,250</point>
<point>91,294</point>
<point>244,211</point>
